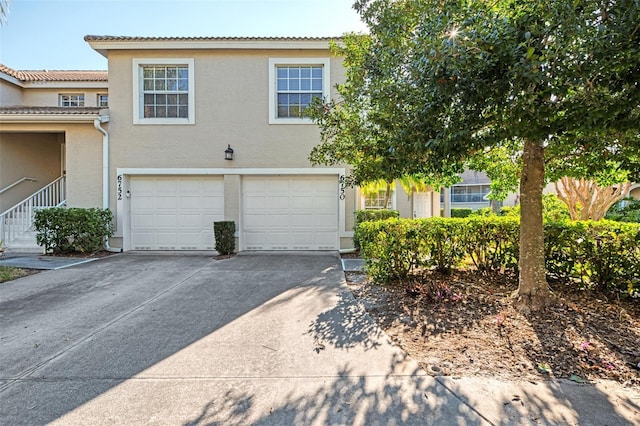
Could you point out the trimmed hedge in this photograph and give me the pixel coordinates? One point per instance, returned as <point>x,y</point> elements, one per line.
<point>461,212</point>
<point>602,255</point>
<point>370,216</point>
<point>223,232</point>
<point>65,230</point>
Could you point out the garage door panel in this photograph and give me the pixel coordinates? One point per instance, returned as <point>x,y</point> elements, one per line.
<point>301,221</point>
<point>275,186</point>
<point>324,221</point>
<point>166,238</point>
<point>189,202</point>
<point>212,202</point>
<point>278,202</point>
<point>256,221</point>
<point>143,221</point>
<point>255,203</point>
<point>187,221</point>
<point>175,212</point>
<point>302,202</point>
<point>163,220</point>
<point>278,220</point>
<point>165,202</point>
<point>297,208</point>
<point>254,240</point>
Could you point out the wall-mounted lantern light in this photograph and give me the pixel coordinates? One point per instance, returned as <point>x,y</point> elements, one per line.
<point>228,153</point>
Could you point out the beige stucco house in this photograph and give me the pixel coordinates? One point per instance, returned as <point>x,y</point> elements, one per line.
<point>153,142</point>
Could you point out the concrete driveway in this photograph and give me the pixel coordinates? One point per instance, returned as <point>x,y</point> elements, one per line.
<point>186,339</point>
<point>272,339</point>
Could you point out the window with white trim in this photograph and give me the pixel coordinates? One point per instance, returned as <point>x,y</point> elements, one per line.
<point>293,84</point>
<point>468,194</point>
<point>71,99</point>
<point>378,200</point>
<point>103,100</point>
<point>163,91</point>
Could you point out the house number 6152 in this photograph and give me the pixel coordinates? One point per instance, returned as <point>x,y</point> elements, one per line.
<point>119,187</point>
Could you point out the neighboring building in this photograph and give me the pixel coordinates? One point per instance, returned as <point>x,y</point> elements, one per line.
<point>154,147</point>
<point>473,192</point>
<point>46,127</point>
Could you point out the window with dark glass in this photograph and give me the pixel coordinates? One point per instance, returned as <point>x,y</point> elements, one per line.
<point>296,87</point>
<point>71,100</point>
<point>165,91</point>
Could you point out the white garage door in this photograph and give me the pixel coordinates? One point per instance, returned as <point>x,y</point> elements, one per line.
<point>290,212</point>
<point>175,213</point>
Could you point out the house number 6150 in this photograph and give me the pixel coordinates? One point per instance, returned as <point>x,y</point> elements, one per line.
<point>343,186</point>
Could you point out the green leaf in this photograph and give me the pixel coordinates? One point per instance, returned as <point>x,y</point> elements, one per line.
<point>530,52</point>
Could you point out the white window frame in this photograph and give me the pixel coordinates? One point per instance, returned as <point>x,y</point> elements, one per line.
<point>363,200</point>
<point>138,93</point>
<point>100,95</point>
<point>273,93</point>
<point>71,98</point>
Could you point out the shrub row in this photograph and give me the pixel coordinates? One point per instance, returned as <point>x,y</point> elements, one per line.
<point>64,230</point>
<point>601,255</point>
<point>368,216</point>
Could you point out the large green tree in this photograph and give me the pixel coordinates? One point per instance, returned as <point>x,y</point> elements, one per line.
<point>436,82</point>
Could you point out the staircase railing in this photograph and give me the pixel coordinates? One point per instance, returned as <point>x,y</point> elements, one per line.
<point>19,218</point>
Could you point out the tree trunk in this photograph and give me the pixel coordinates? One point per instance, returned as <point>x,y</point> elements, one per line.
<point>387,195</point>
<point>533,291</point>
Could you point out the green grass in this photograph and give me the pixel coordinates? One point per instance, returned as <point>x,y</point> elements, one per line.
<point>8,273</point>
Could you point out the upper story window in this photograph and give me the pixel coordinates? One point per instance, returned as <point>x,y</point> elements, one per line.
<point>293,84</point>
<point>103,100</point>
<point>163,91</point>
<point>71,99</point>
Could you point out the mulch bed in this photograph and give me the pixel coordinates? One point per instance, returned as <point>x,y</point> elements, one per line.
<point>464,324</point>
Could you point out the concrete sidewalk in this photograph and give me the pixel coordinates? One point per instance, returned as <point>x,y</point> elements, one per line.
<point>256,339</point>
<point>40,261</point>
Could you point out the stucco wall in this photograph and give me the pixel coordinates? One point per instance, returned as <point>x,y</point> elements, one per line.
<point>50,96</point>
<point>33,155</point>
<point>404,204</point>
<point>231,108</point>
<point>10,94</point>
<point>84,166</point>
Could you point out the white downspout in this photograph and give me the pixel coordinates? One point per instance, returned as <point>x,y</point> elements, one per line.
<point>105,172</point>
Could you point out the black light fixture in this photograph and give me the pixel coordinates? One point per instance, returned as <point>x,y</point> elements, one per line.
<point>228,153</point>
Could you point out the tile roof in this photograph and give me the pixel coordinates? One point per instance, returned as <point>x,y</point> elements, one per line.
<point>57,75</point>
<point>89,38</point>
<point>24,110</point>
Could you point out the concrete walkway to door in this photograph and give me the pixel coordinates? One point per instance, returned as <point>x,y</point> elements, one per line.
<point>185,339</point>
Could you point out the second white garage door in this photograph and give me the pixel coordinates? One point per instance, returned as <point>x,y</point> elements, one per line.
<point>290,212</point>
<point>175,213</point>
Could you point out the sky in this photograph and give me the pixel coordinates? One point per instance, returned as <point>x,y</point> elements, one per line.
<point>49,34</point>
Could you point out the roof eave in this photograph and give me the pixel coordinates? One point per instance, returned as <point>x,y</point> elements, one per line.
<point>103,46</point>
<point>47,118</point>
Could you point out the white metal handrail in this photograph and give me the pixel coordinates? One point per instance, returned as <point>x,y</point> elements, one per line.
<point>18,182</point>
<point>19,218</point>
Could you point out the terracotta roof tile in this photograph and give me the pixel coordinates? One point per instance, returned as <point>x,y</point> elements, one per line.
<point>57,75</point>
<point>22,110</point>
